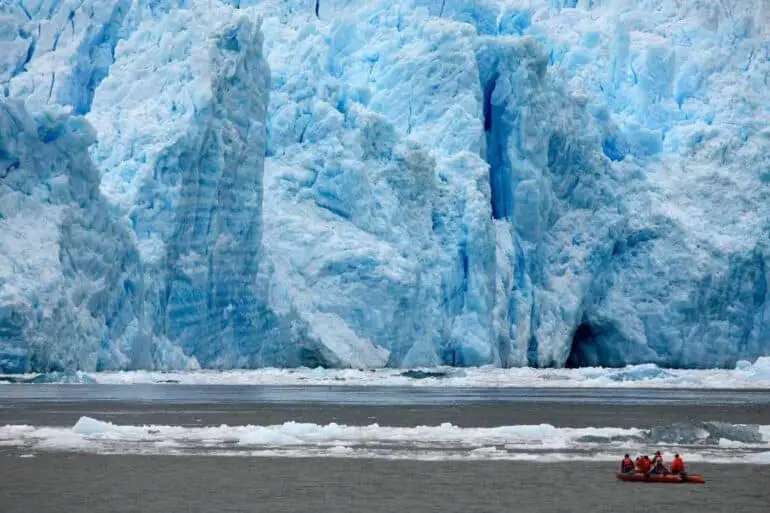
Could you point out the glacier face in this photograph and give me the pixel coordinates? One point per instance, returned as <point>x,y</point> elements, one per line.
<point>181,154</point>
<point>177,166</point>
<point>69,296</point>
<point>507,182</point>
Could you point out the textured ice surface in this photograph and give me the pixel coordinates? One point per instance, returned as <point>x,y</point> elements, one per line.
<point>500,182</point>
<point>180,154</point>
<point>619,148</point>
<point>465,291</point>
<point>68,298</point>
<point>181,124</point>
<point>377,242</point>
<point>64,49</point>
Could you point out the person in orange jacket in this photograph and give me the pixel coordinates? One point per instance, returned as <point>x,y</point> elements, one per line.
<point>677,466</point>
<point>638,464</point>
<point>627,466</point>
<point>646,464</point>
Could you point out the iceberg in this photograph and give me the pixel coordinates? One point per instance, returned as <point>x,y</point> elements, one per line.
<point>546,183</point>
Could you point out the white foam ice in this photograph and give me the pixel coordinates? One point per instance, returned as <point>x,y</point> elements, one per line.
<point>543,436</point>
<point>543,442</point>
<point>746,376</point>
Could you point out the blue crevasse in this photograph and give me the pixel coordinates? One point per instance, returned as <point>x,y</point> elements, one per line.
<point>491,182</point>
<point>69,47</point>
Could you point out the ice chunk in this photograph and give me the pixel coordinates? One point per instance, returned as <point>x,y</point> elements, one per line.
<point>89,426</point>
<point>76,378</point>
<point>439,442</point>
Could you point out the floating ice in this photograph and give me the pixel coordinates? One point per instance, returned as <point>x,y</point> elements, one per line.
<point>74,378</point>
<point>540,442</point>
<point>751,377</point>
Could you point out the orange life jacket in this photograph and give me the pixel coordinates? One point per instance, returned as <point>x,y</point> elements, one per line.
<point>677,465</point>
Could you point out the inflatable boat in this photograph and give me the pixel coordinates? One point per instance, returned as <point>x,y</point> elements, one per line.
<point>659,478</point>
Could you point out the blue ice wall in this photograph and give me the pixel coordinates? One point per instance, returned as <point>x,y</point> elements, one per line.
<point>571,123</point>
<point>181,153</point>
<point>539,183</point>
<point>71,294</point>
<point>179,144</point>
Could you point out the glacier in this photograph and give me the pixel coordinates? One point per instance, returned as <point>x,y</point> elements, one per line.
<point>69,293</point>
<point>255,183</point>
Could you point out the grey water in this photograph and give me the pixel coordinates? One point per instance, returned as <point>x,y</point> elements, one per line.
<point>56,483</point>
<point>373,395</point>
<point>192,405</point>
<point>47,482</point>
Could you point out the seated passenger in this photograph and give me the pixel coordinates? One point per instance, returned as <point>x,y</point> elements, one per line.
<point>657,465</point>
<point>677,466</point>
<point>627,466</point>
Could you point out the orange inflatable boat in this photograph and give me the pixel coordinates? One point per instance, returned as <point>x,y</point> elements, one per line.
<point>658,478</point>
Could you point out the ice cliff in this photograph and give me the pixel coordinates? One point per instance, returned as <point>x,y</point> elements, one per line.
<point>180,154</point>
<point>68,270</point>
<point>507,182</point>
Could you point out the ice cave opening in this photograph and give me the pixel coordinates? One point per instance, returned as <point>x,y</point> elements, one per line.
<point>584,350</point>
